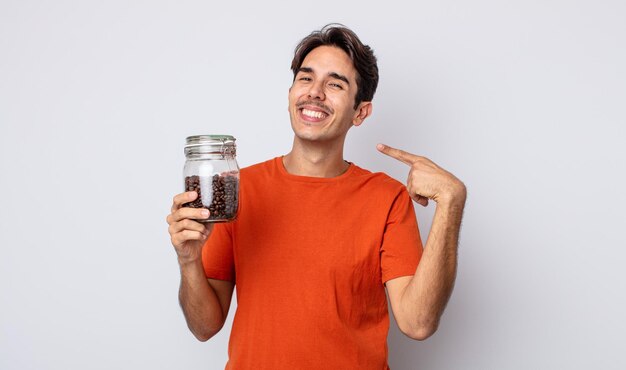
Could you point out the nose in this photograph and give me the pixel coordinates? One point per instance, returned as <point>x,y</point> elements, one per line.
<point>316,91</point>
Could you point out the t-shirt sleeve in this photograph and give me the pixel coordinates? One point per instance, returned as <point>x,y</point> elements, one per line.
<point>217,254</point>
<point>401,248</point>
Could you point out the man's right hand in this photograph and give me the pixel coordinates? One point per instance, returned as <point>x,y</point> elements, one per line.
<point>187,234</point>
<point>205,302</point>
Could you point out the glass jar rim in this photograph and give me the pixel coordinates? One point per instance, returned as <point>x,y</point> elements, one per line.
<point>200,145</point>
<point>210,139</point>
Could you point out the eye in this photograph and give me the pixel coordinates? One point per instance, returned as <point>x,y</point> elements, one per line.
<point>336,85</point>
<point>304,78</point>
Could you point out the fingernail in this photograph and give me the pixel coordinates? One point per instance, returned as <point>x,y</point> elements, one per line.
<point>205,213</point>
<point>380,146</point>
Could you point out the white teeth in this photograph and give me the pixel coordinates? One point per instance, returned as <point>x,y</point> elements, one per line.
<point>313,114</point>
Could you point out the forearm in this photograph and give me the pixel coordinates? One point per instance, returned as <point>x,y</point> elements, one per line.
<point>199,302</point>
<point>428,292</point>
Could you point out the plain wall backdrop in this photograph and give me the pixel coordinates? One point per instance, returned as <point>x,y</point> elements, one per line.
<point>522,100</point>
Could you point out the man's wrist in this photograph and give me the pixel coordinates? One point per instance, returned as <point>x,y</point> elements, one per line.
<point>455,198</point>
<point>187,263</point>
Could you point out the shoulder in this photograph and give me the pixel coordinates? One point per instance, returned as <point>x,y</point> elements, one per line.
<point>382,192</point>
<point>378,181</point>
<point>258,169</point>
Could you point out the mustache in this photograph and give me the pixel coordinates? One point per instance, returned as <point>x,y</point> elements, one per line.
<point>315,103</point>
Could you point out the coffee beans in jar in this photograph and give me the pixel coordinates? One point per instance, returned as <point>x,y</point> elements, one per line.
<point>213,173</point>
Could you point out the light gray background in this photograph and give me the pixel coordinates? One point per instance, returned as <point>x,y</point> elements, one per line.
<point>522,100</point>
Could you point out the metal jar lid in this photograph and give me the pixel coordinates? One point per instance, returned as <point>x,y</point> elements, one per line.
<point>211,144</point>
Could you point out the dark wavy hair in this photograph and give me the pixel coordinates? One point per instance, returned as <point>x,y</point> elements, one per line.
<point>362,56</point>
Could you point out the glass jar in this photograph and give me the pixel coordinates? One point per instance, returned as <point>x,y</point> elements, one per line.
<point>212,171</point>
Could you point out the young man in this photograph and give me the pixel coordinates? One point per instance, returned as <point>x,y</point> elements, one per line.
<point>319,239</point>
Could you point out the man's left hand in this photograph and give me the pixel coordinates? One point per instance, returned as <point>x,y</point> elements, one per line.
<point>426,179</point>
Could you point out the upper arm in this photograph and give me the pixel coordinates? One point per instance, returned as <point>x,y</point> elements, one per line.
<point>224,291</point>
<point>395,291</point>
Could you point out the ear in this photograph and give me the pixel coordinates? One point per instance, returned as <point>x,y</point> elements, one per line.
<point>362,112</point>
<point>288,92</point>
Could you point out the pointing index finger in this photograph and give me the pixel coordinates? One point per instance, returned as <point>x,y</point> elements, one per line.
<point>398,154</point>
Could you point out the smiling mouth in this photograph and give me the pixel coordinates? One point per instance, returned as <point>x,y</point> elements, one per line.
<point>314,110</point>
<point>313,113</point>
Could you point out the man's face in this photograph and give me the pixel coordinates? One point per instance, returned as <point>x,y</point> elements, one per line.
<point>321,99</point>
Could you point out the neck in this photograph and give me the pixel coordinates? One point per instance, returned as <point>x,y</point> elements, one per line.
<point>315,160</point>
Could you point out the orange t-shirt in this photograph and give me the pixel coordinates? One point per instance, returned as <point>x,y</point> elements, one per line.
<point>309,257</point>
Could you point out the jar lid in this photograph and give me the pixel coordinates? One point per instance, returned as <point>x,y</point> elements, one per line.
<point>209,139</point>
<point>210,144</point>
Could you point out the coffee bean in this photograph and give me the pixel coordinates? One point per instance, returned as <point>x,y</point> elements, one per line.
<point>224,203</point>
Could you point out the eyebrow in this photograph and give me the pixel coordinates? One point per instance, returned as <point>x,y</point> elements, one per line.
<point>331,74</point>
<point>339,77</point>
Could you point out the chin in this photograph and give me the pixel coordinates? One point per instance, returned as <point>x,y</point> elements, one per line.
<point>307,137</point>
